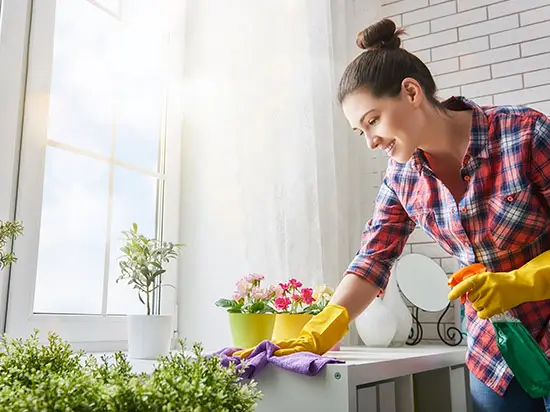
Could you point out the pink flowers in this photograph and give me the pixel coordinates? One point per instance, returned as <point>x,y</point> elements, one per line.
<point>254,277</point>
<point>290,297</point>
<point>275,291</point>
<point>282,303</point>
<point>307,296</point>
<point>249,296</point>
<point>299,299</point>
<point>295,284</point>
<point>258,293</point>
<point>242,289</point>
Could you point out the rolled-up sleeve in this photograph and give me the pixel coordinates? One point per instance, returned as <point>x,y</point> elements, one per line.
<point>383,238</point>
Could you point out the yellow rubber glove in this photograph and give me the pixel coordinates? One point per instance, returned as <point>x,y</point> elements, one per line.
<point>318,336</point>
<point>492,293</point>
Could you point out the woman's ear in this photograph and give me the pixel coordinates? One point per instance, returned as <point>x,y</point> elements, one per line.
<point>412,91</point>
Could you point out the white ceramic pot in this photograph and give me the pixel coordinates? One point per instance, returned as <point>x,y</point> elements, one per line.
<point>149,336</point>
<point>376,325</point>
<point>394,302</point>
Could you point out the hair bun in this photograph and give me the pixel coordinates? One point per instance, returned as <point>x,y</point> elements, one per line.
<point>380,35</point>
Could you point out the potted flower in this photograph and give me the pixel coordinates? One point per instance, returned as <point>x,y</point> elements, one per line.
<point>143,263</point>
<point>251,314</point>
<point>8,230</point>
<point>296,306</point>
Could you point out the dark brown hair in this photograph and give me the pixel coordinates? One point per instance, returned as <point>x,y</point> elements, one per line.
<point>384,64</point>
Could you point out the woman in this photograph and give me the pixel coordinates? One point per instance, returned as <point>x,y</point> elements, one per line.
<point>475,179</point>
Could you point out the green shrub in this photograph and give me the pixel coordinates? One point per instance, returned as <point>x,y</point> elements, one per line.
<point>36,377</point>
<point>51,377</point>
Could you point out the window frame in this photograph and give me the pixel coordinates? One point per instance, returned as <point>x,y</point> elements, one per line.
<point>88,332</point>
<point>14,32</point>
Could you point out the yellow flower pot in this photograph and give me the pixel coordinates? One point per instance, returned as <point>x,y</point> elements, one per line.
<point>249,329</point>
<point>289,325</point>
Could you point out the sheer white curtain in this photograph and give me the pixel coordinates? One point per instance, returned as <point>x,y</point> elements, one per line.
<point>273,181</point>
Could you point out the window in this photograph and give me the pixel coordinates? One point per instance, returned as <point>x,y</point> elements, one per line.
<point>100,150</point>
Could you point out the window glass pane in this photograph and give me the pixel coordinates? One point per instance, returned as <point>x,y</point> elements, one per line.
<point>134,200</point>
<point>73,228</point>
<point>140,93</point>
<point>112,6</point>
<point>81,101</point>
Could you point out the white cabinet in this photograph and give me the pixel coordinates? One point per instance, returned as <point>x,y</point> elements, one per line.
<point>425,378</point>
<point>378,397</point>
<point>367,399</point>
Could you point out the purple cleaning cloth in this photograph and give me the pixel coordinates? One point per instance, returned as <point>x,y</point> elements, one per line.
<point>305,363</point>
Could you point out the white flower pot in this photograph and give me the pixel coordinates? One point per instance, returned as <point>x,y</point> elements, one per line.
<point>149,336</point>
<point>396,305</point>
<point>376,325</point>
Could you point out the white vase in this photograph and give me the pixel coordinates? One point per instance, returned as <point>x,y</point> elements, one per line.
<point>376,325</point>
<point>394,302</point>
<point>149,336</point>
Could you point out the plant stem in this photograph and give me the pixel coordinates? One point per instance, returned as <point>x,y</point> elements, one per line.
<point>148,302</point>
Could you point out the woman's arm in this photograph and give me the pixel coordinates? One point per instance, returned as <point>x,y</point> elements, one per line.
<point>382,242</point>
<point>355,294</point>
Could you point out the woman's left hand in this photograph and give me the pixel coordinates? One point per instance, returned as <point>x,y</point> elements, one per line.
<point>492,293</point>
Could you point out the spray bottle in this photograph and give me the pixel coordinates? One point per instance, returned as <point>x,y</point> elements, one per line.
<point>524,356</point>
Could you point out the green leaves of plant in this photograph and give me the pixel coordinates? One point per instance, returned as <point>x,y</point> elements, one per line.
<point>230,305</point>
<point>235,307</point>
<point>226,303</point>
<point>143,262</point>
<point>8,230</point>
<point>313,309</point>
<point>35,377</point>
<point>259,307</point>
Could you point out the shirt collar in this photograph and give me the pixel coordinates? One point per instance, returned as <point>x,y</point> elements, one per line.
<point>478,135</point>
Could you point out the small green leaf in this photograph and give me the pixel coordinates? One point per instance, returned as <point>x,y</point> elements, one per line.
<point>257,307</point>
<point>235,309</point>
<point>140,298</point>
<point>226,303</point>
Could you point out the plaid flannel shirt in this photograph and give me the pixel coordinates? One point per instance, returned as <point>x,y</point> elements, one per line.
<point>501,221</point>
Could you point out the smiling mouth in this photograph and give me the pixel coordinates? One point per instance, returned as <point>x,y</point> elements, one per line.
<point>389,148</point>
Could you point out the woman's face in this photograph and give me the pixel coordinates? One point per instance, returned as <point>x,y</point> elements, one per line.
<point>392,124</point>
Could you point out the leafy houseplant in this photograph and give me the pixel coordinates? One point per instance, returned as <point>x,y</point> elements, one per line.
<point>35,377</point>
<point>250,297</point>
<point>142,265</point>
<point>8,230</point>
<point>251,314</point>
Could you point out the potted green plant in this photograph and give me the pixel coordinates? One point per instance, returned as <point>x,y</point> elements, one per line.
<point>9,230</point>
<point>251,314</point>
<point>142,265</point>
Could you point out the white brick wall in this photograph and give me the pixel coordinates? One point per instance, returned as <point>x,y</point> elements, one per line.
<point>492,51</point>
